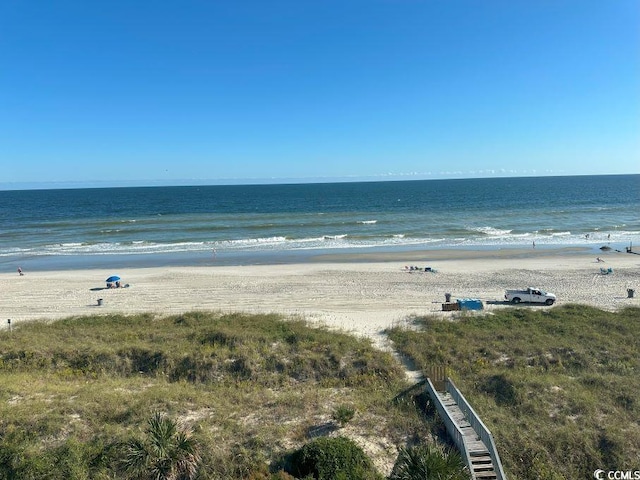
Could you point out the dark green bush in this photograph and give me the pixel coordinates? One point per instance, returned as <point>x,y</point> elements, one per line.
<point>502,390</point>
<point>332,459</point>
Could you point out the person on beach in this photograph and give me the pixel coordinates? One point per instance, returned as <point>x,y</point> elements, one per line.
<point>20,271</point>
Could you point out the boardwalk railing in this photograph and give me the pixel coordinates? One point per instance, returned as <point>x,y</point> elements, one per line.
<point>480,428</point>
<point>452,427</point>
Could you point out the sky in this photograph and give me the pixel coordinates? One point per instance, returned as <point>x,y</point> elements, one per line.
<point>256,91</point>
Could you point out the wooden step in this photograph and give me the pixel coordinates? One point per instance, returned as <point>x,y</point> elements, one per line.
<point>484,453</point>
<point>485,475</point>
<point>482,467</point>
<point>479,459</point>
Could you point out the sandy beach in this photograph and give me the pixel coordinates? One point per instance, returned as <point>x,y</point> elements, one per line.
<point>358,293</point>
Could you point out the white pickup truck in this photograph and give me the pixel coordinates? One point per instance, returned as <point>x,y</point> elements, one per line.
<point>530,295</point>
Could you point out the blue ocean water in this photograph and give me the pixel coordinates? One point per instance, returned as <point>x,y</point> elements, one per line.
<point>242,223</point>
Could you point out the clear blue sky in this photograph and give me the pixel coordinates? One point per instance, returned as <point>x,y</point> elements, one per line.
<point>239,91</point>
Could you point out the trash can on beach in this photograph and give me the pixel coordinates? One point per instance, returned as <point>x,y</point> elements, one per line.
<point>630,292</point>
<point>447,297</point>
<point>99,301</point>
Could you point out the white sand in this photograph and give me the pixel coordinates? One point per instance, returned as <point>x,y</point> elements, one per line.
<point>357,296</point>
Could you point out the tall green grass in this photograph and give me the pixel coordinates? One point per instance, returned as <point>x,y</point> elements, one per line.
<point>251,387</point>
<point>557,387</point>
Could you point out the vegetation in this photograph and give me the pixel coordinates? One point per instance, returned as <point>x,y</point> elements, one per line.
<point>215,396</point>
<point>332,459</point>
<point>167,453</point>
<point>343,414</point>
<point>429,462</point>
<point>115,396</point>
<point>558,388</point>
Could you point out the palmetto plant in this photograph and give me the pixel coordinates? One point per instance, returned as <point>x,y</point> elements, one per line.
<point>429,462</point>
<point>166,453</point>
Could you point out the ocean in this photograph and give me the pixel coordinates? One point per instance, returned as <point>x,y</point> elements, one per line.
<point>249,224</point>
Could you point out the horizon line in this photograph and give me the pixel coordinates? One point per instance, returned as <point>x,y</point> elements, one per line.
<point>97,184</point>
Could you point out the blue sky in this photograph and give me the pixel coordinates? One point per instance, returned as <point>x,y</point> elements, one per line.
<point>172,92</point>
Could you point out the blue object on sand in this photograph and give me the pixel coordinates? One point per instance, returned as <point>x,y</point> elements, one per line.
<point>470,304</point>
<point>113,278</point>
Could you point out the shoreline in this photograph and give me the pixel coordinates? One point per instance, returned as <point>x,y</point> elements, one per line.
<point>288,257</point>
<point>358,293</point>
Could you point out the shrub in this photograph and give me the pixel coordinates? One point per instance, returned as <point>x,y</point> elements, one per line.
<point>332,459</point>
<point>429,462</point>
<point>502,389</point>
<point>167,453</point>
<point>343,414</point>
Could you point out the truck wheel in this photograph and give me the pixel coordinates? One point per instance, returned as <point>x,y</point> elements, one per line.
<point>515,300</point>
<point>549,301</point>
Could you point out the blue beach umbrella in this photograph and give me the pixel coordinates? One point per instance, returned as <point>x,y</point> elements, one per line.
<point>113,278</point>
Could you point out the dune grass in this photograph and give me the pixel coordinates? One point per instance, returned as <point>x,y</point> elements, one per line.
<point>251,387</point>
<point>558,388</point>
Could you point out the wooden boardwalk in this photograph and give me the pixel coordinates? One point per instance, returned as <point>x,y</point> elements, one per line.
<point>470,435</point>
<point>481,464</point>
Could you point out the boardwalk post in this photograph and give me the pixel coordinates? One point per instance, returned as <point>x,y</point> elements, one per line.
<point>438,376</point>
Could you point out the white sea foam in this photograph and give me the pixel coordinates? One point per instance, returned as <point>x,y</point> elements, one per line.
<point>252,242</point>
<point>341,241</point>
<point>492,231</point>
<point>282,243</point>
<point>334,237</point>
